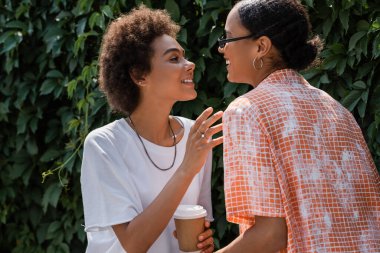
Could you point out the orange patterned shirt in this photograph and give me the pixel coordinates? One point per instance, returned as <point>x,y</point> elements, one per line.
<point>290,150</point>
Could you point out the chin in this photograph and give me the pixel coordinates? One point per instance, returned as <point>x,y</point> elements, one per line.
<point>189,97</point>
<point>233,79</point>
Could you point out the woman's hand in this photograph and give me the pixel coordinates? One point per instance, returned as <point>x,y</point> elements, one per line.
<point>206,241</point>
<point>200,140</point>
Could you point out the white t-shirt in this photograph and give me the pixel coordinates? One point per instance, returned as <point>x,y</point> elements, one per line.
<point>119,181</point>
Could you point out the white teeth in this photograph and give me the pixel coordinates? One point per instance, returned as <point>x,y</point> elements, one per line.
<point>187,81</point>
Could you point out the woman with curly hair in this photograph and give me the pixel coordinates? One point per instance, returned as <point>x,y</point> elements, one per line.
<point>138,169</point>
<point>298,174</point>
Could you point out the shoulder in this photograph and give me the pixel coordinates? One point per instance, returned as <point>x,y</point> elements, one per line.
<point>242,106</point>
<point>104,136</point>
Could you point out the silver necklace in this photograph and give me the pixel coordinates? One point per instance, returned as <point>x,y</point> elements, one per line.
<point>146,151</point>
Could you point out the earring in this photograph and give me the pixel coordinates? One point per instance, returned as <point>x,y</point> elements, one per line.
<point>139,83</point>
<point>261,63</point>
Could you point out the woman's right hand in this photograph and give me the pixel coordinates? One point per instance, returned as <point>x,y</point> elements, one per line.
<point>200,140</point>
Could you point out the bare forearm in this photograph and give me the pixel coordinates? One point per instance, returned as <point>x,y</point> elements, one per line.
<point>268,235</point>
<point>144,229</point>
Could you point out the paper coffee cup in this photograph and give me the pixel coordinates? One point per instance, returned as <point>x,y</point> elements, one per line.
<point>189,222</point>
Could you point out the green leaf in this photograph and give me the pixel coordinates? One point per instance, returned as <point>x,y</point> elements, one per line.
<point>182,36</point>
<point>10,43</point>
<point>17,170</point>
<point>31,146</point>
<point>362,108</point>
<point>376,47</point>
<point>341,66</point>
<point>362,25</point>
<point>81,26</point>
<point>54,227</point>
<point>106,10</point>
<point>338,48</point>
<point>54,74</point>
<point>351,100</point>
<point>344,18</point>
<point>22,120</point>
<point>16,24</point>
<point>324,78</point>
<point>93,19</point>
<point>354,39</point>
<point>359,85</point>
<point>48,86</point>
<point>327,26</point>
<point>49,155</point>
<point>172,7</point>
<point>229,89</point>
<point>213,102</point>
<point>71,86</point>
<point>51,196</point>
<point>309,3</point>
<point>215,34</point>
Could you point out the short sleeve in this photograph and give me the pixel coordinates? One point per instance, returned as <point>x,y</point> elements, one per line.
<point>250,181</point>
<point>205,191</point>
<point>109,194</point>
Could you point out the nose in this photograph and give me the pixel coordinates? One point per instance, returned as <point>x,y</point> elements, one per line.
<point>221,49</point>
<point>190,66</point>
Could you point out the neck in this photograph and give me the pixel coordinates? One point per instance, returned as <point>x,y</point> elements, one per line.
<point>152,123</point>
<point>261,75</point>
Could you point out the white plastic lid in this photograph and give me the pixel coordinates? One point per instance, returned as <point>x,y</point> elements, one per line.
<point>190,212</point>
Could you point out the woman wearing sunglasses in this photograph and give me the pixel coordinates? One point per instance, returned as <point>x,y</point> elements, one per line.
<point>298,174</point>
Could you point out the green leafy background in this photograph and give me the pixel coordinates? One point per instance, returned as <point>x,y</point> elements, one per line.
<point>49,100</point>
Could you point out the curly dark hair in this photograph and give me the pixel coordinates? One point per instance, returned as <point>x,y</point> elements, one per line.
<point>287,24</point>
<point>127,47</point>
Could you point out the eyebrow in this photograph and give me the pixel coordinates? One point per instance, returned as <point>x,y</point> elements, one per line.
<point>173,49</point>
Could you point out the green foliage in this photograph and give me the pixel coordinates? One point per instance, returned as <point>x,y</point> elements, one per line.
<point>49,100</point>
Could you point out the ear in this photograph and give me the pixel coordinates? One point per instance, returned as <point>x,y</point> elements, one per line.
<point>264,45</point>
<point>137,77</point>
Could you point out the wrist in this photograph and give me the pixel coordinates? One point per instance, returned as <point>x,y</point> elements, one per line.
<point>187,171</point>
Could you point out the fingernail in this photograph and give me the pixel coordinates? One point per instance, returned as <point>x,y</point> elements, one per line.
<point>200,238</point>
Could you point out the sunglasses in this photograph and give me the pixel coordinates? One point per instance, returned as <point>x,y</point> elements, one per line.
<point>223,41</point>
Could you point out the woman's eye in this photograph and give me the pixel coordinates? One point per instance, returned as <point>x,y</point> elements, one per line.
<point>175,59</point>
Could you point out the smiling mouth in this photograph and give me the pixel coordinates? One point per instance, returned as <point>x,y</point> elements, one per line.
<point>187,81</point>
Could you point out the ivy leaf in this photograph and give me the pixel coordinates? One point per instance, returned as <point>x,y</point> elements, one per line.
<point>361,109</point>
<point>229,88</point>
<point>309,3</point>
<point>50,155</point>
<point>31,146</point>
<point>54,74</point>
<point>93,19</point>
<point>376,47</point>
<point>17,170</point>
<point>362,25</point>
<point>48,86</point>
<point>359,85</point>
<point>106,10</point>
<point>215,34</point>
<point>51,196</point>
<point>172,7</point>
<point>344,18</point>
<point>354,39</point>
<point>351,100</point>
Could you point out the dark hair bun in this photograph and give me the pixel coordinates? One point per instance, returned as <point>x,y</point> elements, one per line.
<point>302,56</point>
